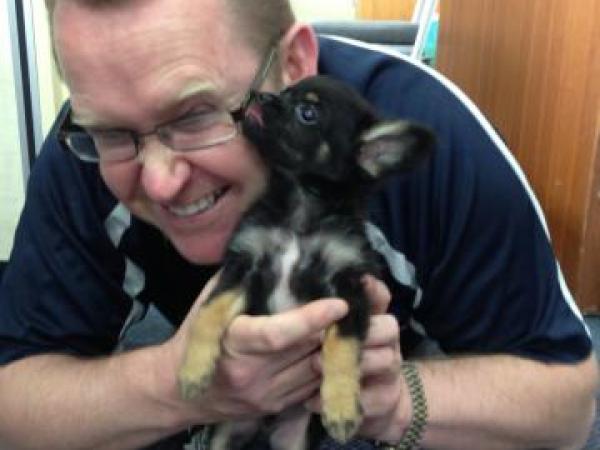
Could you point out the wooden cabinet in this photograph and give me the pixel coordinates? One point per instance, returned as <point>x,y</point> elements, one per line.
<point>534,68</point>
<point>385,9</point>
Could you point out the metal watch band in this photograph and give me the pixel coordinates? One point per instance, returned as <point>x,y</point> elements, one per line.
<point>413,434</point>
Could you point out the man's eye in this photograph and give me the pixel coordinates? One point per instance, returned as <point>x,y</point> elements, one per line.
<point>307,114</point>
<point>196,120</point>
<point>110,138</point>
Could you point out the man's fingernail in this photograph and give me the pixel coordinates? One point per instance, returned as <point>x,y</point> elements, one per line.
<point>338,309</point>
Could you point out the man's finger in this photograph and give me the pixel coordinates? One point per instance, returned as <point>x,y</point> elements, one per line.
<point>266,334</point>
<point>380,361</point>
<point>378,294</point>
<point>383,330</point>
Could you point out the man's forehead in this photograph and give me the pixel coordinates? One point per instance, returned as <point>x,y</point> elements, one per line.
<point>87,116</point>
<point>120,25</point>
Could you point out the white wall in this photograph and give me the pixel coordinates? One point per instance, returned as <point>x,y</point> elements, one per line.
<point>52,94</point>
<point>307,10</point>
<point>12,187</point>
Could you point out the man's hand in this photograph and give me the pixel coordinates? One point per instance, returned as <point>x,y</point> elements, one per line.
<point>383,387</point>
<point>271,362</point>
<point>266,361</point>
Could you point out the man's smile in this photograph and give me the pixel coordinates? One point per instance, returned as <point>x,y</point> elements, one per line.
<point>199,206</point>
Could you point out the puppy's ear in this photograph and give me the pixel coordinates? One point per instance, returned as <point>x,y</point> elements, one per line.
<point>394,146</point>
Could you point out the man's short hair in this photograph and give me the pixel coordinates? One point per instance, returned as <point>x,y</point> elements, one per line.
<point>262,21</point>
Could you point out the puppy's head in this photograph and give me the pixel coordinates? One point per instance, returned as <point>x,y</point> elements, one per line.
<point>323,128</point>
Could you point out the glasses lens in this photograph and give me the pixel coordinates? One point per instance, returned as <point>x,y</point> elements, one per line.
<point>82,145</point>
<point>114,145</point>
<point>105,146</point>
<point>198,131</point>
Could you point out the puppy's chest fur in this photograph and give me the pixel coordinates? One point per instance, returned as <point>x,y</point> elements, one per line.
<point>299,247</point>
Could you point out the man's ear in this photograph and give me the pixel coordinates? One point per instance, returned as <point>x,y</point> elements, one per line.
<point>394,146</point>
<point>299,53</point>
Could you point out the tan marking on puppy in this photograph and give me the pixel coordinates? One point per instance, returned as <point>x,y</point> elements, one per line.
<point>312,96</point>
<point>204,346</point>
<point>340,389</point>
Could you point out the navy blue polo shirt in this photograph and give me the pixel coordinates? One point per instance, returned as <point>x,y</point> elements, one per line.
<point>468,254</point>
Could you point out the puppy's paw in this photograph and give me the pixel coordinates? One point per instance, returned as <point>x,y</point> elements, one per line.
<point>341,414</point>
<point>197,372</point>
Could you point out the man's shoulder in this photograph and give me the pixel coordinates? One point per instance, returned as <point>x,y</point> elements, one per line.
<point>399,86</point>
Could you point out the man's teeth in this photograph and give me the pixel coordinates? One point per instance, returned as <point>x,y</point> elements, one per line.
<point>199,206</point>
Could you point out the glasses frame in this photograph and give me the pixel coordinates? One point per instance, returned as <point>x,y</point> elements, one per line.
<point>67,126</point>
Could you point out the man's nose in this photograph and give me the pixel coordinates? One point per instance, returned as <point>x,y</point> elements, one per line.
<point>164,172</point>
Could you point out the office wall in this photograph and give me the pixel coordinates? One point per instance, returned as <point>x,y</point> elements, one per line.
<point>324,9</point>
<point>12,187</point>
<point>386,9</point>
<point>13,163</point>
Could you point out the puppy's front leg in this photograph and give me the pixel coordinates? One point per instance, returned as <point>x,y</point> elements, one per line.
<point>340,388</point>
<point>207,329</point>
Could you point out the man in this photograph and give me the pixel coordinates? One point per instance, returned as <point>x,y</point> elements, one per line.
<point>469,262</point>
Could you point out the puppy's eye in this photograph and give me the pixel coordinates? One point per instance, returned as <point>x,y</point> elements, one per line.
<point>307,113</point>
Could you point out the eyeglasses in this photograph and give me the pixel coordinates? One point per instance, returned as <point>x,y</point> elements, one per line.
<point>194,131</point>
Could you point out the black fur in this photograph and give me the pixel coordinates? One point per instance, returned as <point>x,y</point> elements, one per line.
<point>326,150</point>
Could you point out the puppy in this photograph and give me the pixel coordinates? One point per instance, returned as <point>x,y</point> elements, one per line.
<point>303,239</point>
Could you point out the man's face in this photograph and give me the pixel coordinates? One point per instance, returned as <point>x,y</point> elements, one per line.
<point>152,62</point>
